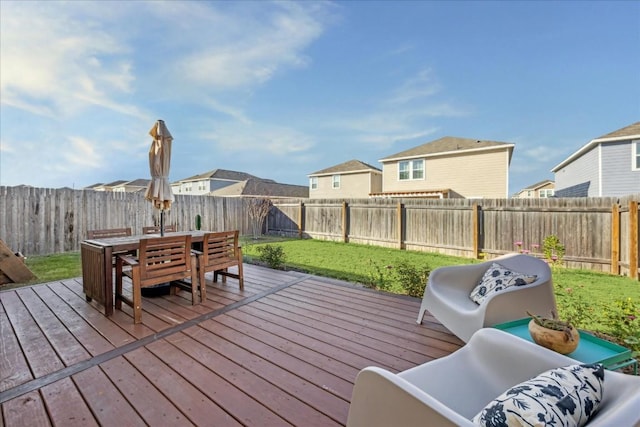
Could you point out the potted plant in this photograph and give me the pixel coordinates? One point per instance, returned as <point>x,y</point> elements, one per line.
<point>554,334</point>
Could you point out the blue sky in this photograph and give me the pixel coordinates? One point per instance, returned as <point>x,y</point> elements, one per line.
<point>284,89</point>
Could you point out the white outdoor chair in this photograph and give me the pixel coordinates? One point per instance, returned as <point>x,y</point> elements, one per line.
<point>446,296</point>
<point>451,390</point>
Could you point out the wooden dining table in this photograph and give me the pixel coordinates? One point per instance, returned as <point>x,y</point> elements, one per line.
<point>97,263</point>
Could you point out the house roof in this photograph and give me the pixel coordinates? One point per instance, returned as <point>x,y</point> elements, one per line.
<point>626,133</point>
<point>262,188</point>
<point>115,183</point>
<point>139,182</point>
<point>447,145</point>
<point>221,174</point>
<point>538,184</point>
<point>351,166</point>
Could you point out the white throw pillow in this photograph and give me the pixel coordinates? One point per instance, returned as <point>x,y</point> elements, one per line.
<point>561,397</point>
<point>498,278</point>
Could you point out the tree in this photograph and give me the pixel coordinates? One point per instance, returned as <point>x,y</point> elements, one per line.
<point>258,210</point>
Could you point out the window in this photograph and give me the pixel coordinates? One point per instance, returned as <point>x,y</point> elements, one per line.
<point>313,182</point>
<point>546,193</point>
<point>635,158</point>
<point>409,170</point>
<point>335,179</point>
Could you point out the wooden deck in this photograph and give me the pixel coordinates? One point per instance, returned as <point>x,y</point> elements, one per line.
<point>285,351</point>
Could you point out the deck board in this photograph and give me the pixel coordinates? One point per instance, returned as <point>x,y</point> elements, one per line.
<point>283,351</point>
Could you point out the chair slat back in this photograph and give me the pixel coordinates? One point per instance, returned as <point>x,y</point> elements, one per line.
<point>220,246</point>
<point>156,229</point>
<point>164,258</point>
<point>110,232</point>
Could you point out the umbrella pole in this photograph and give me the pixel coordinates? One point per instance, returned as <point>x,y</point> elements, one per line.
<point>161,222</point>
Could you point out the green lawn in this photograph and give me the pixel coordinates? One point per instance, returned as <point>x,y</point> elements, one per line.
<point>595,301</point>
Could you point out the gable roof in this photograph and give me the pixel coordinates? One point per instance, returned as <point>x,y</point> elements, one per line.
<point>351,166</point>
<point>539,184</point>
<point>221,174</point>
<point>626,133</point>
<point>140,182</point>
<point>448,145</point>
<point>262,188</point>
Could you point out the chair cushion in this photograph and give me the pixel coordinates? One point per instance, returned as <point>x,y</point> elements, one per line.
<point>562,397</point>
<point>498,278</point>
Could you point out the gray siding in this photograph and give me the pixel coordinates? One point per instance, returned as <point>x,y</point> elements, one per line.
<point>582,171</point>
<point>618,179</point>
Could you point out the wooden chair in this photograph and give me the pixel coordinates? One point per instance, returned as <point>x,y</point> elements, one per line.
<point>109,232</point>
<point>219,252</point>
<point>155,229</point>
<point>160,260</point>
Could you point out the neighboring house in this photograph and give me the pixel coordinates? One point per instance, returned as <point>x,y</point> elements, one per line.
<point>539,190</point>
<point>608,166</point>
<point>108,187</point>
<point>122,186</point>
<point>210,181</point>
<point>349,180</point>
<point>132,186</point>
<point>449,167</point>
<point>256,187</point>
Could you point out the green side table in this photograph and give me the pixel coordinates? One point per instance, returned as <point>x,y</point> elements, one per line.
<point>591,349</point>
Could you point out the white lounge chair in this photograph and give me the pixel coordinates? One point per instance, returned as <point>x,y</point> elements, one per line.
<point>446,296</point>
<point>451,390</point>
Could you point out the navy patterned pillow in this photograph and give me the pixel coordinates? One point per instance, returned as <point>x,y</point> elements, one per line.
<point>560,397</point>
<point>496,279</point>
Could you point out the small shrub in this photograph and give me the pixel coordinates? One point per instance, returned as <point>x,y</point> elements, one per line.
<point>553,249</point>
<point>379,277</point>
<point>623,321</point>
<point>575,308</point>
<point>273,255</point>
<point>412,279</point>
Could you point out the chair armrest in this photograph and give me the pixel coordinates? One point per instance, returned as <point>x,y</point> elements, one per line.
<point>128,259</point>
<point>464,277</point>
<point>381,398</point>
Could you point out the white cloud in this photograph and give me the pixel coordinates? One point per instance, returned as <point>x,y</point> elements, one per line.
<point>82,154</point>
<point>54,62</point>
<point>260,138</point>
<point>422,85</point>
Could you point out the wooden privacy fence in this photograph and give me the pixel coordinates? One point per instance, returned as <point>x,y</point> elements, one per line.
<point>38,221</point>
<point>598,233</point>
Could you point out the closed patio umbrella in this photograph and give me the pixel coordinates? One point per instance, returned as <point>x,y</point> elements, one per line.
<point>159,190</point>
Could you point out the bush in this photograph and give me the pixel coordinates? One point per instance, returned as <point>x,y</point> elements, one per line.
<point>379,277</point>
<point>272,255</point>
<point>623,322</point>
<point>412,279</point>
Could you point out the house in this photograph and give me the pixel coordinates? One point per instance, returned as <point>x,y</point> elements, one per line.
<point>255,187</point>
<point>208,182</point>
<point>539,190</point>
<point>448,167</point>
<point>608,166</point>
<point>349,180</point>
<point>132,186</point>
<point>122,186</point>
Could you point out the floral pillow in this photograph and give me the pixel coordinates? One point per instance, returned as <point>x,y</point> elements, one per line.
<point>560,397</point>
<point>496,279</point>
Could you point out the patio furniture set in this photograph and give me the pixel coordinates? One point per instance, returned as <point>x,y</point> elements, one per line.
<point>150,260</point>
<point>500,377</point>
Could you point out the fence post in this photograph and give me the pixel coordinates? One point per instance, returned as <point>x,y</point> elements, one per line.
<point>301,220</point>
<point>400,225</point>
<point>476,231</point>
<point>345,234</point>
<point>633,239</point>
<point>615,239</point>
